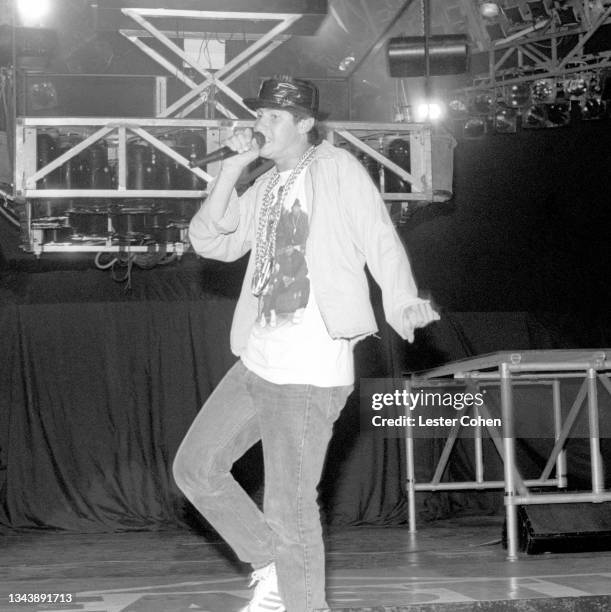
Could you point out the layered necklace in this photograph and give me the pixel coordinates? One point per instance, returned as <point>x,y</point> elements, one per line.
<point>271,209</point>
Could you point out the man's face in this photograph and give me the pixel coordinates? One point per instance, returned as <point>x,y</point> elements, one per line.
<point>282,132</point>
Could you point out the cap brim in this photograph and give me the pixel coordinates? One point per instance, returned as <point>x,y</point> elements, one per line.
<point>256,103</point>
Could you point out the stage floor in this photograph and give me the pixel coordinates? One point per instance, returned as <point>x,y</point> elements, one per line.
<point>454,565</point>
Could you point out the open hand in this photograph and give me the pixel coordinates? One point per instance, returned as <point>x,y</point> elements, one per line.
<point>416,316</point>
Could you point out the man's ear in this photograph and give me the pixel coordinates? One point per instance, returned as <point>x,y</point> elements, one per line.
<point>305,125</point>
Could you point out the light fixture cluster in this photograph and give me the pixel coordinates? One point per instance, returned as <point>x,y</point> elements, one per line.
<point>502,18</point>
<point>542,103</point>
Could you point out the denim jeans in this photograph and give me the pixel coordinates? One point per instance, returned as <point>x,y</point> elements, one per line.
<point>294,423</point>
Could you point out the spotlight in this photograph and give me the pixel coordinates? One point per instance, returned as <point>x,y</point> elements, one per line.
<point>489,10</point>
<point>32,11</point>
<point>595,86</point>
<point>576,87</point>
<point>457,108</point>
<point>543,90</point>
<point>593,108</point>
<point>558,114</point>
<point>506,120</point>
<point>42,95</point>
<point>534,117</point>
<point>347,62</point>
<point>482,103</point>
<point>566,16</point>
<point>519,95</point>
<point>538,10</point>
<point>514,15</point>
<point>475,127</point>
<point>428,111</point>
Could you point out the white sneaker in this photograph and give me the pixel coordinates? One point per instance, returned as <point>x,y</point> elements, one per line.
<point>266,597</point>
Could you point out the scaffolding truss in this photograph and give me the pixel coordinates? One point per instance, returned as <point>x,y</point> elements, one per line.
<point>202,92</point>
<point>542,49</point>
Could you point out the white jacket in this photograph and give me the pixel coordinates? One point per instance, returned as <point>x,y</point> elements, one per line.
<point>349,227</point>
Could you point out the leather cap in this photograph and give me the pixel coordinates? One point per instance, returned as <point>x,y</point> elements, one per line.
<point>288,94</point>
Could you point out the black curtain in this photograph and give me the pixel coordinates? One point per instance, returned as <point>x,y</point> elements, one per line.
<point>96,397</point>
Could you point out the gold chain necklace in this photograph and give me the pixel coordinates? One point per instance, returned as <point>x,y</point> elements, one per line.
<point>269,216</point>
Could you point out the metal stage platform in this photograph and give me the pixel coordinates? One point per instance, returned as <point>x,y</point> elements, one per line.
<point>507,370</point>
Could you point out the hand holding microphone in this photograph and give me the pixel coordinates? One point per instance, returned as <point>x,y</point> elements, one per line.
<point>242,148</point>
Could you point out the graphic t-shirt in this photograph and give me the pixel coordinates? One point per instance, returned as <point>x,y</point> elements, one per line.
<point>289,343</point>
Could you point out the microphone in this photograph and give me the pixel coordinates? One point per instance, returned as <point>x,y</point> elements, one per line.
<point>223,153</point>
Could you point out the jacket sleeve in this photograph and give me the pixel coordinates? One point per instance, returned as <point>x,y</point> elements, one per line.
<point>375,236</point>
<point>232,236</point>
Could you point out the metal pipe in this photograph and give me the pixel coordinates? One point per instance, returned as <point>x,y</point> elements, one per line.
<point>509,462</point>
<point>411,474</point>
<point>596,463</point>
<point>561,468</point>
<point>479,455</point>
<point>562,498</point>
<point>470,485</point>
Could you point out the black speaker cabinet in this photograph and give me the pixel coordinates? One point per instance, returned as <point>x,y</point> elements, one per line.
<point>577,527</point>
<point>448,54</point>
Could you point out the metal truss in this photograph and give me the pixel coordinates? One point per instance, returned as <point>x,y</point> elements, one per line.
<point>117,133</point>
<point>200,93</point>
<point>540,51</point>
<point>509,370</point>
<point>355,133</point>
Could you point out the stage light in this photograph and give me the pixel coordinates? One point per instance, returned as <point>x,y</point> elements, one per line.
<point>514,15</point>
<point>482,103</point>
<point>506,120</point>
<point>566,16</point>
<point>534,117</point>
<point>519,95</point>
<point>428,111</point>
<point>489,10</point>
<point>538,10</point>
<point>475,127</point>
<point>42,95</point>
<point>32,11</point>
<point>543,90</point>
<point>595,86</point>
<point>558,114</point>
<point>593,108</point>
<point>576,87</point>
<point>457,108</point>
<point>347,62</point>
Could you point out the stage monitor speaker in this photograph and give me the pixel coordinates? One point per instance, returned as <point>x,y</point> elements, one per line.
<point>448,54</point>
<point>576,527</point>
<point>30,43</point>
<point>86,95</point>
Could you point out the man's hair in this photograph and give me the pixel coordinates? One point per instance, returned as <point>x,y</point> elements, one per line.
<point>317,132</point>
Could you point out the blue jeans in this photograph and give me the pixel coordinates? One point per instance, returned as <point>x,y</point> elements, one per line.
<point>294,423</point>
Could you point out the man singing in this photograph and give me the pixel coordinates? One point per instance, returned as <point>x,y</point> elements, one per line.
<point>311,224</point>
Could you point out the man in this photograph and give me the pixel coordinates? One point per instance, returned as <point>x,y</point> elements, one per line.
<point>294,374</point>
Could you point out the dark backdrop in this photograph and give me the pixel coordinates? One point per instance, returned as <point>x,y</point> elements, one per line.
<point>98,385</point>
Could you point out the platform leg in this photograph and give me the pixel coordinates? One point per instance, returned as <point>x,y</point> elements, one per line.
<point>509,464</point>
<point>598,480</point>
<point>411,474</point>
<point>561,470</point>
